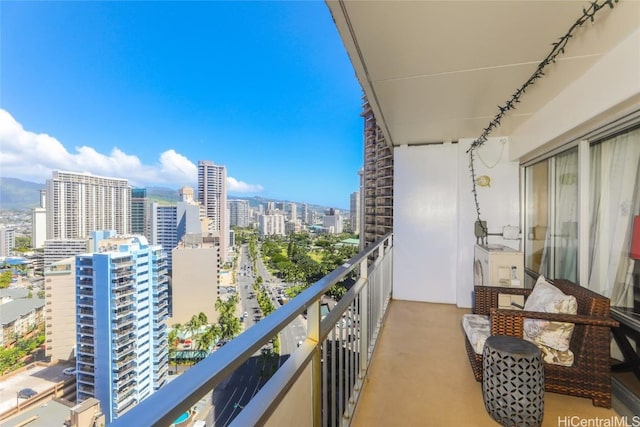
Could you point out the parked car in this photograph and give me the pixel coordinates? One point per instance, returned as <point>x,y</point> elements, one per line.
<point>27,393</point>
<point>69,371</point>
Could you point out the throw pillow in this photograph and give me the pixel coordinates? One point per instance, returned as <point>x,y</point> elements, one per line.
<point>547,298</point>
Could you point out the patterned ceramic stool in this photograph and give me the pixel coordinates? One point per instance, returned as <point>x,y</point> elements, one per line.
<point>513,381</point>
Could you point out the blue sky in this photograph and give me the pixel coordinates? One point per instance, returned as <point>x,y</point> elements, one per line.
<point>143,90</point>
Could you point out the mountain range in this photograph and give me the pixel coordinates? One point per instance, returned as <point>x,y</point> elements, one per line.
<point>23,195</point>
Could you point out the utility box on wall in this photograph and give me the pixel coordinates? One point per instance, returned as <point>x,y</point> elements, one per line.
<point>499,265</point>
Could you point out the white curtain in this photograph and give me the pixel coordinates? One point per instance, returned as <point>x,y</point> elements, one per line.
<point>560,254</point>
<point>615,200</point>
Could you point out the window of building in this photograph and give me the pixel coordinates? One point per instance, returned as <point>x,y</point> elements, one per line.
<point>614,202</point>
<point>608,181</point>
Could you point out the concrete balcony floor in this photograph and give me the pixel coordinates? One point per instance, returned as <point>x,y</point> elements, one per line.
<point>420,376</point>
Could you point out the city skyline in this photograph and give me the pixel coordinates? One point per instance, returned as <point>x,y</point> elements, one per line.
<point>263,88</point>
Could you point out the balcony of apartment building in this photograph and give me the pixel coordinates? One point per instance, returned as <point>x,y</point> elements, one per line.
<point>459,91</point>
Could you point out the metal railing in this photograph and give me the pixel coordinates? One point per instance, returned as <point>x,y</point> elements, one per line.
<point>337,352</point>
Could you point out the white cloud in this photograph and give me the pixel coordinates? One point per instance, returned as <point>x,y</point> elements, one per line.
<point>32,157</point>
<point>235,186</point>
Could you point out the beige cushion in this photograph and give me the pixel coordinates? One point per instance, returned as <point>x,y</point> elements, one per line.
<point>556,357</point>
<point>477,328</point>
<point>556,336</point>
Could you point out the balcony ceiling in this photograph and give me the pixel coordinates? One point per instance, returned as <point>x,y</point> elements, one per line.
<point>437,71</point>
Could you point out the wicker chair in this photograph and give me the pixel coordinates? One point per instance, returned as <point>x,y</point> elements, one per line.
<point>590,374</point>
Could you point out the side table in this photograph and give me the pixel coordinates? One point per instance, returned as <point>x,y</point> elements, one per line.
<point>513,381</point>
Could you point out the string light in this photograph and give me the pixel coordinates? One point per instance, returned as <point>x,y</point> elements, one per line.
<point>588,15</point>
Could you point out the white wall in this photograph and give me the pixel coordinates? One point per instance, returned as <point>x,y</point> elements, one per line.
<point>499,205</point>
<point>425,223</point>
<point>434,217</point>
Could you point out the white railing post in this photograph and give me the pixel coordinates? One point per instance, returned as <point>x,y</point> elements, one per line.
<point>313,333</point>
<point>364,319</point>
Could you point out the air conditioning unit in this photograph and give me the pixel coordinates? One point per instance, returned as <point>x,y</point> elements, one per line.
<point>499,265</point>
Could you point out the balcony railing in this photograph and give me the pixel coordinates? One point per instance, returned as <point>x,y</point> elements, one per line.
<point>334,357</point>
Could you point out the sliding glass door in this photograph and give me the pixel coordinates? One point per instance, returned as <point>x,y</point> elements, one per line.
<point>551,216</point>
<point>608,178</point>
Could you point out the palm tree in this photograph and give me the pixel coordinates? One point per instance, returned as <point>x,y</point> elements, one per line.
<point>203,319</point>
<point>193,326</point>
<point>174,336</point>
<point>206,339</point>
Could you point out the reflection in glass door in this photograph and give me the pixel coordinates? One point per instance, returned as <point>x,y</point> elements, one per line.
<point>551,216</point>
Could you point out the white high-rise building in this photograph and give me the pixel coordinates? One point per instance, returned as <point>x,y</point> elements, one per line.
<point>305,214</point>
<point>271,225</point>
<point>354,212</point>
<point>332,221</point>
<point>79,203</point>
<point>59,249</point>
<point>7,241</point>
<point>170,223</point>
<point>270,206</point>
<point>239,213</point>
<point>293,211</point>
<point>212,195</point>
<point>39,222</point>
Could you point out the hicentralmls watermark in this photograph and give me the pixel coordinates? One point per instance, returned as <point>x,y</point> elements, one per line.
<point>615,421</point>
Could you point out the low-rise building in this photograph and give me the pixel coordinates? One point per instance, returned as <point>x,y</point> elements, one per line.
<point>19,316</point>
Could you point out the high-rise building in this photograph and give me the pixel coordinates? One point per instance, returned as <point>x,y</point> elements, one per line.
<point>39,222</point>
<point>60,309</point>
<point>163,227</point>
<point>377,181</point>
<point>186,194</point>
<point>270,207</point>
<point>305,214</point>
<point>212,195</point>
<point>79,203</point>
<point>122,307</point>
<point>354,212</point>
<point>187,219</point>
<point>332,221</point>
<point>194,281</point>
<point>139,210</point>
<point>293,211</point>
<point>239,213</point>
<point>291,227</point>
<point>57,250</point>
<point>7,241</point>
<point>170,223</point>
<point>271,224</point>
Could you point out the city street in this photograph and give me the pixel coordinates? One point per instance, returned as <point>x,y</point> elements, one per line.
<point>234,393</point>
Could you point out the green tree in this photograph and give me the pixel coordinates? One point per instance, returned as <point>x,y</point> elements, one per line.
<point>174,336</point>
<point>206,339</point>
<point>5,279</point>
<point>23,244</point>
<point>202,318</point>
<point>228,322</point>
<point>193,326</point>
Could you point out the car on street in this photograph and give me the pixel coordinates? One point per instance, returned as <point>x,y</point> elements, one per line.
<point>69,371</point>
<point>27,393</point>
